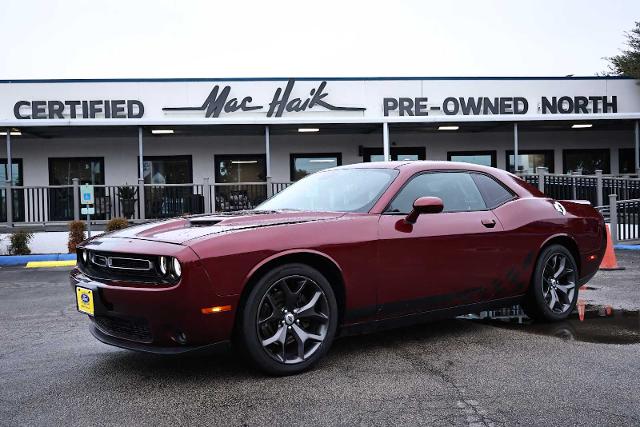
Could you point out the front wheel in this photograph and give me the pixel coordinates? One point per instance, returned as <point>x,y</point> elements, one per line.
<point>289,320</point>
<point>553,292</point>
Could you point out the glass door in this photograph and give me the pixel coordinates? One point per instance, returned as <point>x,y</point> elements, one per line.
<point>62,171</point>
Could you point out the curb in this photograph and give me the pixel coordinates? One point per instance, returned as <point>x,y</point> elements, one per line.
<point>628,247</point>
<point>41,264</point>
<point>13,260</point>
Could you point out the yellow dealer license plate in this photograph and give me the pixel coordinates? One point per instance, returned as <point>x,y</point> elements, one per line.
<point>84,297</point>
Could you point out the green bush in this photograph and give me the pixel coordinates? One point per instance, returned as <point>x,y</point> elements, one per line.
<point>117,224</point>
<point>76,235</point>
<point>20,243</point>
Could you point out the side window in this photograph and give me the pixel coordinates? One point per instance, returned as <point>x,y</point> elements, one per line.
<point>493,193</point>
<point>456,189</point>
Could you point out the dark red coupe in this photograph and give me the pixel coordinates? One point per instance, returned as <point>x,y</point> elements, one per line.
<point>341,251</point>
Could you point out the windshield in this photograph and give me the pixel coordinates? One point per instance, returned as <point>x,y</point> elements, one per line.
<point>338,190</point>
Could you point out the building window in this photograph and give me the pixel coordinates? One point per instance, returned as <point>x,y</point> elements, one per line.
<point>397,154</point>
<point>241,168</point>
<point>627,161</point>
<point>484,158</point>
<point>235,169</point>
<point>16,171</point>
<point>302,165</point>
<point>88,170</point>
<point>530,160</point>
<point>17,195</point>
<point>586,162</point>
<point>167,170</point>
<point>62,171</point>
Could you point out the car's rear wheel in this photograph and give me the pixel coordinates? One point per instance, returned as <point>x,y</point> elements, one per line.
<point>289,320</point>
<point>553,292</point>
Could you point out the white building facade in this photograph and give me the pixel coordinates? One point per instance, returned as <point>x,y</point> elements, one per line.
<point>232,131</point>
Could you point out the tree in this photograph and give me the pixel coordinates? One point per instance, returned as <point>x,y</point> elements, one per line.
<point>627,63</point>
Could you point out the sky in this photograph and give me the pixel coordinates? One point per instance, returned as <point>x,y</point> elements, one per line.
<point>156,38</point>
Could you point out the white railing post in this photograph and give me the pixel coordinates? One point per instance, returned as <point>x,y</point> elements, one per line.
<point>269,187</point>
<point>76,199</point>
<point>599,190</point>
<point>542,171</point>
<point>206,192</point>
<point>613,217</point>
<point>141,204</point>
<point>574,187</point>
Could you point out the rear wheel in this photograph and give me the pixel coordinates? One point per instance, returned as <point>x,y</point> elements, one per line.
<point>289,320</point>
<point>553,292</point>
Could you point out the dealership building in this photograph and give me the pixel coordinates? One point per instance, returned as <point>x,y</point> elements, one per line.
<point>208,143</point>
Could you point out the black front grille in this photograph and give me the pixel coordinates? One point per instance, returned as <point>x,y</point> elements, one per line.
<point>130,263</point>
<point>123,267</point>
<point>125,328</point>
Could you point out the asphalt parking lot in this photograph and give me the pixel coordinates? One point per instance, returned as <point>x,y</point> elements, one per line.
<point>456,372</point>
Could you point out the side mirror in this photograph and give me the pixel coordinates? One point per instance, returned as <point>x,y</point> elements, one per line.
<point>424,205</point>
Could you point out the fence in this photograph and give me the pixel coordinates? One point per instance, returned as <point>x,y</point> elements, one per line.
<point>624,219</point>
<point>594,188</point>
<point>138,202</point>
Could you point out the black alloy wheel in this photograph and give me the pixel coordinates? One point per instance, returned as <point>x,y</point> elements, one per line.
<point>289,320</point>
<point>554,289</point>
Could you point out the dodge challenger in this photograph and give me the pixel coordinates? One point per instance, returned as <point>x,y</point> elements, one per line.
<point>342,251</point>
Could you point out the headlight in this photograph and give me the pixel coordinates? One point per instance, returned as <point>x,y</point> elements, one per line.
<point>177,269</point>
<point>84,256</point>
<point>163,265</point>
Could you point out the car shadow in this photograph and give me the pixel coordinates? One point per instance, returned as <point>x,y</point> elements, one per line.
<point>227,362</point>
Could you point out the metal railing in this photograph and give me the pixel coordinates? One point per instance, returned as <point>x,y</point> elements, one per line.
<point>49,204</point>
<point>624,219</point>
<point>594,188</point>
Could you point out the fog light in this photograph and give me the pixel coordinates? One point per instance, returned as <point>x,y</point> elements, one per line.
<point>180,338</point>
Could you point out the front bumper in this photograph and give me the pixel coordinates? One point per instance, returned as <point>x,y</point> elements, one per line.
<point>166,320</point>
<point>131,345</point>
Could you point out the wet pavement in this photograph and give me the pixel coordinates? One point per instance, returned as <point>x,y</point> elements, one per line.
<point>455,372</point>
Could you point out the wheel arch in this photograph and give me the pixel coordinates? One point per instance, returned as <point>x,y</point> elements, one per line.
<point>318,260</point>
<point>566,241</point>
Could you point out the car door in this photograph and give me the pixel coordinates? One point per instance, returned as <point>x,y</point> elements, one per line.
<point>444,259</point>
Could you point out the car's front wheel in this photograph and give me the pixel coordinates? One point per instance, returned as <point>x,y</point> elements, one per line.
<point>289,319</point>
<point>553,292</point>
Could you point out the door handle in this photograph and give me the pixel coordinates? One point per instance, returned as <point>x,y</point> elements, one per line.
<point>489,223</point>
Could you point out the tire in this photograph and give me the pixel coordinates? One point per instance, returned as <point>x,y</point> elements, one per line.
<point>553,293</point>
<point>284,333</point>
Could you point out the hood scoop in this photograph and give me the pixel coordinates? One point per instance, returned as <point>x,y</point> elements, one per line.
<point>204,222</point>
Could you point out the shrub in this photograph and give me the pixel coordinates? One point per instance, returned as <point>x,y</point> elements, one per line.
<point>20,243</point>
<point>117,224</point>
<point>76,235</point>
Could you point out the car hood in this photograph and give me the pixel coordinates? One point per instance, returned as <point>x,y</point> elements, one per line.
<point>182,230</point>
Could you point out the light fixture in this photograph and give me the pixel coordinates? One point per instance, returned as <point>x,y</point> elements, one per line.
<point>176,268</point>
<point>162,131</point>
<point>13,132</point>
<point>448,127</point>
<point>322,161</point>
<point>163,265</point>
<point>581,126</point>
<point>308,130</point>
<point>243,162</point>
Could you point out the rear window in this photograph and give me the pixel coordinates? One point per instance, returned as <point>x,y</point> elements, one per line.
<point>493,193</point>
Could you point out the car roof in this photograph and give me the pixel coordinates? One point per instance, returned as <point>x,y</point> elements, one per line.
<point>420,165</point>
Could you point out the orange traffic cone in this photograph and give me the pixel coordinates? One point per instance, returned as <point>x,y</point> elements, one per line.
<point>609,261</point>
<point>581,307</point>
